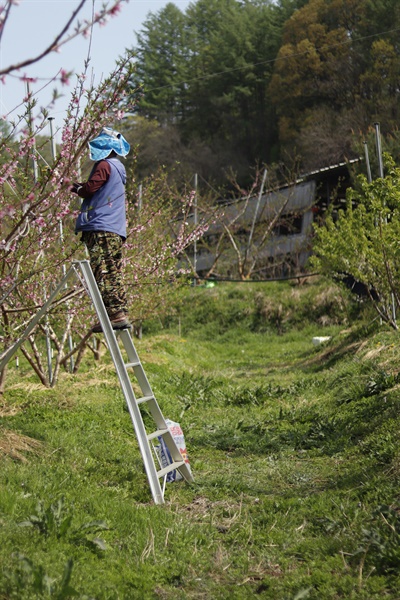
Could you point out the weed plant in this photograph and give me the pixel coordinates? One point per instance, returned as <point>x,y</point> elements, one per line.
<point>294,449</point>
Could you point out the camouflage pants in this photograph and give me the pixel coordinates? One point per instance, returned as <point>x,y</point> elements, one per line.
<point>105,253</point>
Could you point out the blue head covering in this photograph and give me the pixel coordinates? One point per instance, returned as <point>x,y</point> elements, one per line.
<point>107,141</point>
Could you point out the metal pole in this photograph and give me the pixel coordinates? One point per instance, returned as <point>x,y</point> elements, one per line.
<point>379,149</point>
<point>52,139</point>
<point>369,175</point>
<point>256,211</point>
<point>139,328</point>
<point>35,166</point>
<point>140,198</point>
<point>195,225</point>
<point>54,152</point>
<point>381,174</point>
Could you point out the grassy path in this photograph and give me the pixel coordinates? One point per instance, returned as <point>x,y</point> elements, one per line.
<point>294,449</point>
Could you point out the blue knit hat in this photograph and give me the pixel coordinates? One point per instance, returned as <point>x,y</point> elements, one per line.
<point>107,141</point>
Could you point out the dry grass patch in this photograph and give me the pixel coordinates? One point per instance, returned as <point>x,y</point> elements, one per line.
<point>14,445</point>
<point>339,349</point>
<point>223,514</point>
<point>8,411</point>
<point>28,387</point>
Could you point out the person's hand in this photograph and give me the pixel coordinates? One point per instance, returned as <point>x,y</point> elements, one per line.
<point>75,188</point>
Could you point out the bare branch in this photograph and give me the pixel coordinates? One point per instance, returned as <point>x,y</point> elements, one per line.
<point>58,40</point>
<point>50,48</point>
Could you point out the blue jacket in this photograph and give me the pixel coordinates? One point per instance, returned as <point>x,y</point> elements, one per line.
<point>105,209</point>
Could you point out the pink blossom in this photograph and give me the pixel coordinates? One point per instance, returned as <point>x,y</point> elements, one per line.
<point>28,79</point>
<point>150,256</point>
<point>64,77</point>
<point>40,222</point>
<point>115,9</point>
<point>103,21</point>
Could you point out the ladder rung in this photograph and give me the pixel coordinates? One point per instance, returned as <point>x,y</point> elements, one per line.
<point>157,433</point>
<point>132,364</point>
<point>169,468</point>
<point>144,399</point>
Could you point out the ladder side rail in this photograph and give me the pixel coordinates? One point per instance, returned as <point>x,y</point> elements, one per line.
<point>142,380</point>
<point>156,413</point>
<point>127,390</point>
<point>138,425</point>
<point>177,457</point>
<point>186,473</point>
<point>134,358</point>
<point>8,354</point>
<point>153,405</point>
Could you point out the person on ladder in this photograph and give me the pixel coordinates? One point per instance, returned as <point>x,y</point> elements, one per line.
<point>102,222</point>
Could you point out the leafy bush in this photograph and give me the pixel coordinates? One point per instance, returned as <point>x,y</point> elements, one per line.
<point>361,241</point>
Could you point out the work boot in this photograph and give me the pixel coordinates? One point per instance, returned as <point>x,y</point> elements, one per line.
<point>118,320</point>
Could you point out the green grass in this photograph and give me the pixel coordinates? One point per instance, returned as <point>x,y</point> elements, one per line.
<point>294,450</point>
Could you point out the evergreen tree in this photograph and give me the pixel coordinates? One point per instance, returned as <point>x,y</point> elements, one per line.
<point>162,66</point>
<point>232,99</point>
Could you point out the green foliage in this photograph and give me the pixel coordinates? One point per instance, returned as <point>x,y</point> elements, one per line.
<point>161,61</point>
<point>379,540</point>
<point>56,521</point>
<point>326,81</point>
<point>263,308</point>
<point>362,241</point>
<point>30,580</point>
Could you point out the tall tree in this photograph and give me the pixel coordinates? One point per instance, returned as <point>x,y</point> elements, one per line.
<point>238,54</point>
<point>162,65</point>
<point>316,67</point>
<point>380,47</point>
<point>337,72</point>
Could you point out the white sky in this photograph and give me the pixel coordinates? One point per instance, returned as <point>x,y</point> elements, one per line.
<point>33,24</point>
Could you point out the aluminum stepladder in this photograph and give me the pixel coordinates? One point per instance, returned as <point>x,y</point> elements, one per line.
<point>83,271</point>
